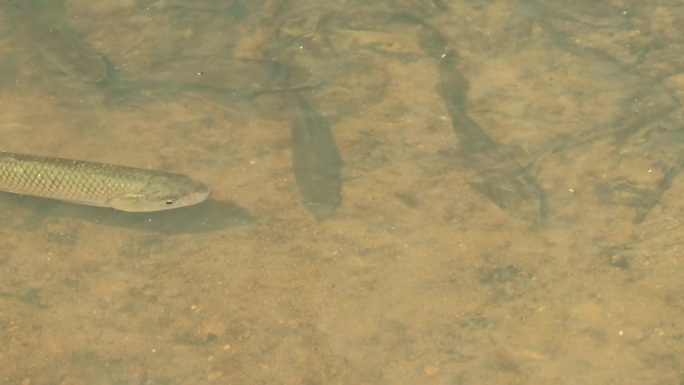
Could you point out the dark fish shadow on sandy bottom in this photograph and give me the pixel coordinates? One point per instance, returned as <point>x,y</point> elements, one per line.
<point>208,216</point>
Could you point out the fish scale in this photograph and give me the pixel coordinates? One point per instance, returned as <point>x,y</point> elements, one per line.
<point>98,184</point>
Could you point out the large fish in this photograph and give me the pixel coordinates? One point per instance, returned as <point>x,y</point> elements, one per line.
<point>98,184</point>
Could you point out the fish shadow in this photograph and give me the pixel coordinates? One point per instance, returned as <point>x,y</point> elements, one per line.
<point>208,216</point>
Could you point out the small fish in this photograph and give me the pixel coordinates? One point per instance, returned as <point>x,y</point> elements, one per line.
<point>501,177</point>
<point>316,161</point>
<point>98,184</point>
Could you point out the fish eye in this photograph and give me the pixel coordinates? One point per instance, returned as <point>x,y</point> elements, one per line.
<point>169,201</point>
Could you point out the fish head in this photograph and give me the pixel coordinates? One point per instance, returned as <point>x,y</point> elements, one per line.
<point>163,192</point>
<point>516,197</point>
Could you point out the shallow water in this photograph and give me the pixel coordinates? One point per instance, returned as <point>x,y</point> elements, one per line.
<point>417,277</point>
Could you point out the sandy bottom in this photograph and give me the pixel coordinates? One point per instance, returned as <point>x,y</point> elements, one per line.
<point>417,278</point>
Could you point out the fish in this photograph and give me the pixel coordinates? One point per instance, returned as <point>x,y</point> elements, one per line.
<point>501,178</point>
<point>98,184</point>
<point>499,175</point>
<point>316,161</point>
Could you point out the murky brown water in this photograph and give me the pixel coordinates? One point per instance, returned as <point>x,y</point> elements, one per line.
<point>418,276</point>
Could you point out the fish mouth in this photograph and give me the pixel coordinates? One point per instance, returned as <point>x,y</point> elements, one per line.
<point>322,210</point>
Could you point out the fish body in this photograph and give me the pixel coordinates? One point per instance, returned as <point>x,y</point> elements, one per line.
<point>316,161</point>
<point>98,184</point>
